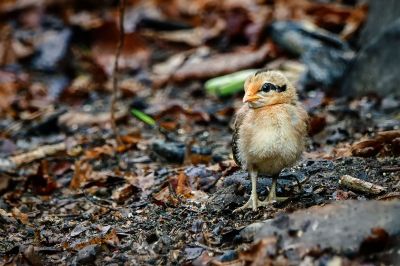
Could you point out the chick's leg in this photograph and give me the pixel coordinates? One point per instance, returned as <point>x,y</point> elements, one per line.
<point>253,201</point>
<point>272,194</point>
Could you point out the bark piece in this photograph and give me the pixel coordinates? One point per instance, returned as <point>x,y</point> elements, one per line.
<point>361,185</point>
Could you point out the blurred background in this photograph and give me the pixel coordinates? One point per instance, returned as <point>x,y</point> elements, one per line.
<point>57,60</point>
<point>60,54</point>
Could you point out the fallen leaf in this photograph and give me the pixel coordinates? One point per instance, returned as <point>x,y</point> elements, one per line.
<point>82,171</point>
<point>134,55</point>
<point>316,124</point>
<point>192,37</point>
<point>375,242</point>
<point>175,110</point>
<point>124,192</point>
<point>4,181</point>
<point>110,238</point>
<point>221,64</point>
<point>164,196</point>
<point>385,143</point>
<point>13,5</point>
<point>182,188</point>
<point>96,152</point>
<point>257,254</point>
<point>43,182</point>
<point>32,256</point>
<point>74,119</point>
<point>8,91</point>
<point>22,217</point>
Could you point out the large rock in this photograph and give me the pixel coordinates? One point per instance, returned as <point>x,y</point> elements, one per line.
<point>376,67</point>
<point>346,227</point>
<point>324,54</point>
<point>380,14</point>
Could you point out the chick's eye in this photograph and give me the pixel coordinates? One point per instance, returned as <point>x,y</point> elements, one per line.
<point>281,88</point>
<point>266,87</point>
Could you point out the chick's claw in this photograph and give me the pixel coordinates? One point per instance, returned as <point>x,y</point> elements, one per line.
<point>248,205</point>
<point>270,201</point>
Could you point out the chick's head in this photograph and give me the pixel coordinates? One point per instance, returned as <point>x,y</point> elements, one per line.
<point>268,88</point>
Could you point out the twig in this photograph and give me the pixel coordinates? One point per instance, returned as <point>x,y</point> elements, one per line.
<point>390,168</point>
<point>116,71</point>
<point>360,185</point>
<point>390,196</point>
<point>30,156</point>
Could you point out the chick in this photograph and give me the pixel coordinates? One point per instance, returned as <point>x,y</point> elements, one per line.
<point>270,130</point>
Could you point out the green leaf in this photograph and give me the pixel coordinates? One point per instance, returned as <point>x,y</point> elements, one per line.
<point>143,117</point>
<point>228,84</point>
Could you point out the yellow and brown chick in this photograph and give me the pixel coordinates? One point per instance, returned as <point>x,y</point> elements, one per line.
<point>270,130</point>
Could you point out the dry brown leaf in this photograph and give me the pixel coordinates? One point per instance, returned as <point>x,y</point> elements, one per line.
<point>110,238</point>
<point>366,148</point>
<point>99,151</point>
<point>388,136</point>
<point>23,217</point>
<point>134,55</point>
<point>164,196</point>
<point>182,188</point>
<point>144,182</point>
<point>342,150</point>
<point>257,254</point>
<point>384,143</point>
<point>193,37</point>
<point>290,9</point>
<point>8,93</point>
<point>4,181</point>
<point>199,158</point>
<point>354,21</point>
<point>222,64</point>
<point>124,192</point>
<point>175,110</point>
<point>75,119</point>
<point>42,182</point>
<point>82,172</point>
<point>13,5</point>
<point>316,124</point>
<point>334,16</point>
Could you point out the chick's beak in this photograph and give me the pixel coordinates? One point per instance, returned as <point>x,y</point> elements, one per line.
<point>250,98</point>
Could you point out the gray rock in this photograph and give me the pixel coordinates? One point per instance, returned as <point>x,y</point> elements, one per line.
<point>325,55</point>
<point>225,200</point>
<point>297,38</point>
<point>343,227</point>
<point>380,14</point>
<point>325,67</point>
<point>376,67</point>
<point>87,255</point>
<point>172,152</point>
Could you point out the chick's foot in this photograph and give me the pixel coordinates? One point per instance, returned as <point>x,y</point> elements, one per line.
<point>252,203</point>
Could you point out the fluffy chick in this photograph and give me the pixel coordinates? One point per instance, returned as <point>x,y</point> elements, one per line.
<point>270,130</point>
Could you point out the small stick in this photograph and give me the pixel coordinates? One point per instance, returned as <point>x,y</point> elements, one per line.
<point>116,71</point>
<point>30,156</point>
<point>360,185</point>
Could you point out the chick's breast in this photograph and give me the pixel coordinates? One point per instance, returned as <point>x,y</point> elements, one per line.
<point>270,139</point>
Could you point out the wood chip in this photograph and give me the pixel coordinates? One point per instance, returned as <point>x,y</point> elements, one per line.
<point>360,185</point>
